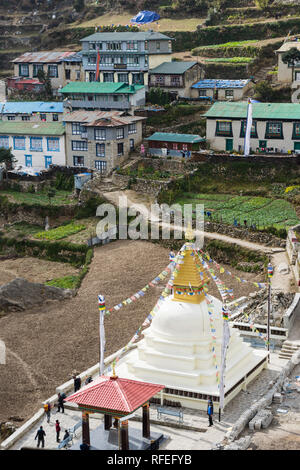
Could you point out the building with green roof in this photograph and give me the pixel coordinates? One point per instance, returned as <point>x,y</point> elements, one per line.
<point>107,96</point>
<point>124,56</point>
<point>275,127</point>
<point>176,77</point>
<point>34,144</point>
<point>172,144</point>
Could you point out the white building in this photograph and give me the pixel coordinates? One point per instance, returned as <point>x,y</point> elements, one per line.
<point>34,144</point>
<point>223,90</point>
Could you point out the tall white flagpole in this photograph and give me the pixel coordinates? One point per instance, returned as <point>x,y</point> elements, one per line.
<point>101,304</point>
<point>225,343</point>
<point>248,129</point>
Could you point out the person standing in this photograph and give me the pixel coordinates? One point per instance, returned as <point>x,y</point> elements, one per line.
<point>40,436</point>
<point>77,383</point>
<point>57,429</point>
<point>60,403</point>
<point>47,408</point>
<point>210,411</point>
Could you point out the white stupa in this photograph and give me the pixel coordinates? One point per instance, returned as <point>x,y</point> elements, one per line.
<point>182,347</point>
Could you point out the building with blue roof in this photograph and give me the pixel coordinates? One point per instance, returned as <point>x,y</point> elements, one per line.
<point>45,111</point>
<point>221,90</point>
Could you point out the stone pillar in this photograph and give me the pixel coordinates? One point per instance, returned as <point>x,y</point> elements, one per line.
<point>146,421</point>
<point>107,422</point>
<point>85,428</point>
<point>124,435</point>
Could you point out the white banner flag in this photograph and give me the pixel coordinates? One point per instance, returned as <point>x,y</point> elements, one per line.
<point>248,129</point>
<point>225,343</point>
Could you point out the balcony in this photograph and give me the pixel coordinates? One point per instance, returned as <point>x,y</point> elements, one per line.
<point>120,66</point>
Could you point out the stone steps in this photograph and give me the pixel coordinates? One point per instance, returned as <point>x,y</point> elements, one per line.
<point>288,349</point>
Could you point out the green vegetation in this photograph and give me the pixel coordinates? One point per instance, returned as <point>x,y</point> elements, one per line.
<point>261,211</point>
<point>231,60</point>
<point>145,172</point>
<point>60,232</point>
<point>228,44</point>
<point>40,198</point>
<point>174,114</point>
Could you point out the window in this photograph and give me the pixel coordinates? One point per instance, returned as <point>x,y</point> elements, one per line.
<point>146,61</point>
<point>274,130</point>
<point>116,98</point>
<point>108,77</point>
<point>92,76</point>
<point>120,133</point>
<point>100,134</point>
<point>146,45</point>
<point>92,59</point>
<point>79,145</point>
<point>11,118</point>
<point>53,144</point>
<point>296,131</point>
<point>133,45</point>
<point>77,74</point>
<point>123,77</point>
<point>36,69</point>
<point>132,128</point>
<point>4,141</point>
<point>92,46</point>
<point>228,93</point>
<point>36,144</point>
<point>54,117</point>
<point>131,144</point>
<point>184,147</point>
<point>25,118</point>
<point>138,79</point>
<point>23,70</point>
<point>224,128</point>
<point>133,61</point>
<point>19,143</point>
<point>52,71</point>
<point>158,45</point>
<point>78,161</point>
<point>253,129</point>
<point>202,92</point>
<point>68,74</point>
<point>43,117</point>
<point>160,80</point>
<point>120,149</point>
<point>113,46</point>
<point>78,128</point>
<point>175,80</point>
<point>100,166</point>
<point>100,150</point>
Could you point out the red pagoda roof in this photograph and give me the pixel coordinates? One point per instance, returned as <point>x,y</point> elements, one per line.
<point>115,394</point>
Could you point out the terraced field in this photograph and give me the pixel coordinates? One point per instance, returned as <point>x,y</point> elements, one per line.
<point>262,211</point>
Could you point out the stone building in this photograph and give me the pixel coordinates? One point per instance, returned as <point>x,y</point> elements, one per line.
<point>62,67</point>
<point>103,96</point>
<point>38,111</point>
<point>223,90</point>
<point>124,57</point>
<point>286,73</point>
<point>101,140</point>
<point>176,77</point>
<point>172,144</point>
<point>275,127</point>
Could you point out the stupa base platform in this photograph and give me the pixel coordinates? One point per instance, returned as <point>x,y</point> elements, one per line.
<point>194,397</point>
<point>101,439</point>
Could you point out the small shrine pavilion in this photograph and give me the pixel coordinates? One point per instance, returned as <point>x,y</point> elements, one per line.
<point>115,398</point>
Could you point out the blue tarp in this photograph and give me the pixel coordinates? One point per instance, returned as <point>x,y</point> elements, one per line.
<point>144,17</point>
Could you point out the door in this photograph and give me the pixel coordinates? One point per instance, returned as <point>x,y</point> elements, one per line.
<point>131,143</point>
<point>28,160</point>
<point>229,145</point>
<point>262,144</point>
<point>48,161</point>
<point>297,147</point>
<point>100,165</point>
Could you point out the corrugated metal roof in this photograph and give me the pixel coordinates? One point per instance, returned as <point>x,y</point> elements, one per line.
<point>126,36</point>
<point>100,87</point>
<point>117,394</point>
<point>101,118</point>
<point>216,83</point>
<point>175,67</point>
<point>43,57</point>
<point>31,128</point>
<point>222,109</point>
<point>29,107</point>
<point>286,46</point>
<point>171,137</point>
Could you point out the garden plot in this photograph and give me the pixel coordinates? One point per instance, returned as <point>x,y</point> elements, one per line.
<point>262,211</point>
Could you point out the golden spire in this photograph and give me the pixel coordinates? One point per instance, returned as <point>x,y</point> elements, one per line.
<point>189,233</point>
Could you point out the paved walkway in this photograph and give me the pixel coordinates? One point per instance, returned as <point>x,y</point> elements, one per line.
<point>176,438</point>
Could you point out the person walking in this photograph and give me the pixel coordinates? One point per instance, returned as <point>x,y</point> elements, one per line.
<point>210,411</point>
<point>40,436</point>
<point>57,429</point>
<point>77,383</point>
<point>67,434</point>
<point>47,408</point>
<point>60,403</point>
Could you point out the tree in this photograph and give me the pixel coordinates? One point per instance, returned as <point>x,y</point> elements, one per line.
<point>7,158</point>
<point>262,4</point>
<point>79,5</point>
<point>263,91</point>
<point>45,79</point>
<point>291,57</point>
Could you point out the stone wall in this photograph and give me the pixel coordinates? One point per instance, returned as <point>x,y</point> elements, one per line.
<point>245,234</point>
<point>140,185</point>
